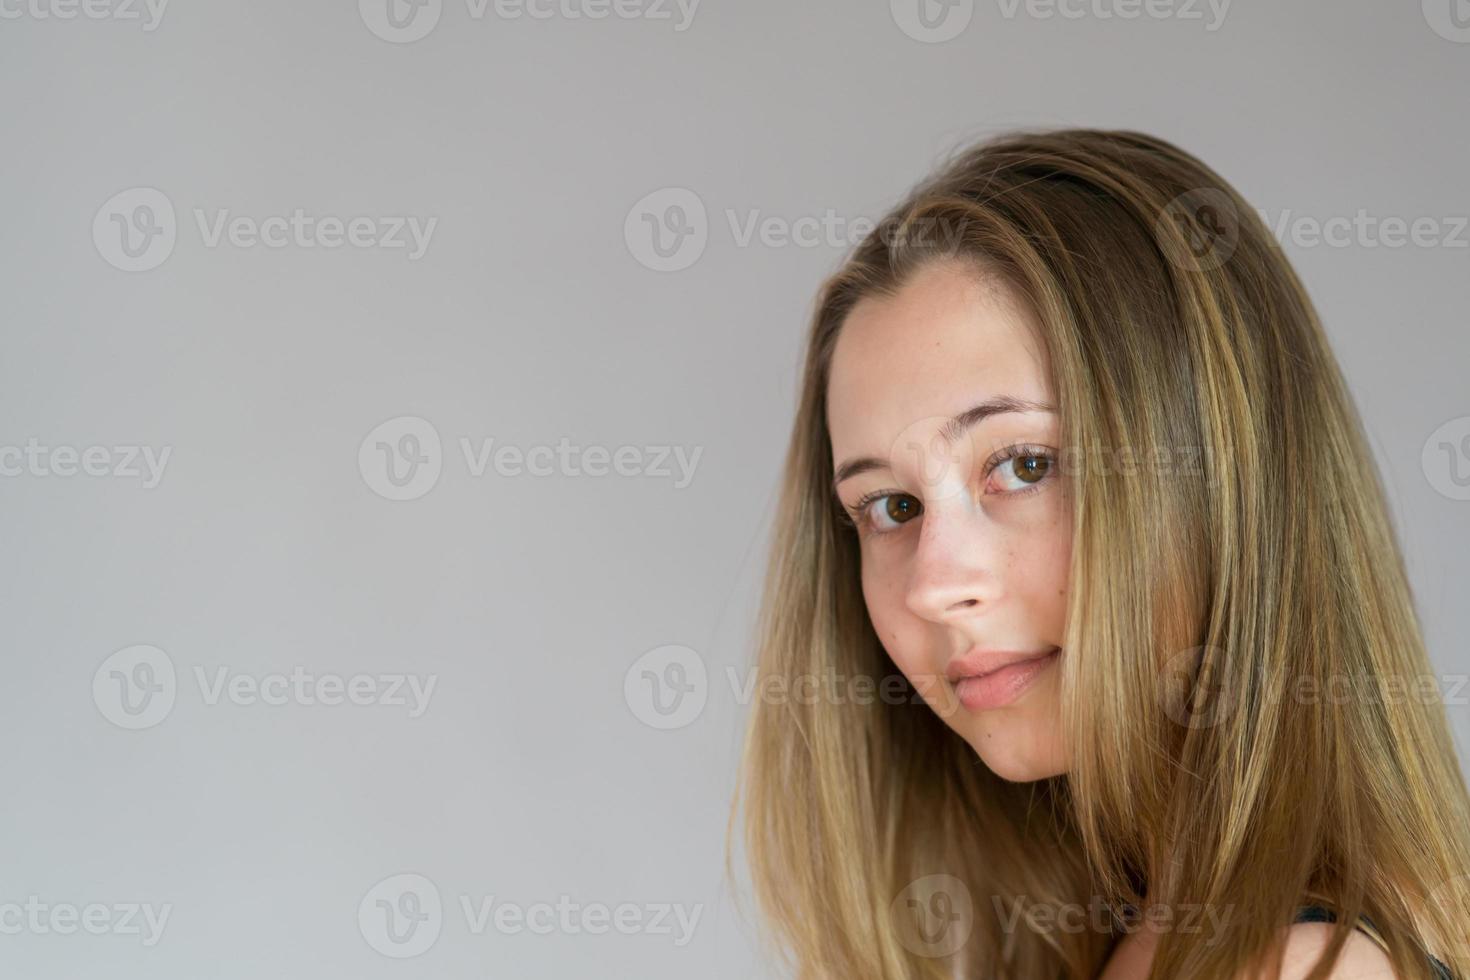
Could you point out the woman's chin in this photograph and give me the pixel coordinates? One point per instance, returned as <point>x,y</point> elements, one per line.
<point>1016,756</point>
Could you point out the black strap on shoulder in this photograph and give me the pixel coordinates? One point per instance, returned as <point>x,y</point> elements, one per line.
<point>1319,913</point>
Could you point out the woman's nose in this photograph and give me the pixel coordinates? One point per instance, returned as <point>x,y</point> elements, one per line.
<point>955,565</point>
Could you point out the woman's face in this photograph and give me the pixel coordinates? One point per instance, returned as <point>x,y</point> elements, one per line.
<point>965,532</point>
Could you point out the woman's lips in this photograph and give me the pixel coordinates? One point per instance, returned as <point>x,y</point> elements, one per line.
<point>1003,686</point>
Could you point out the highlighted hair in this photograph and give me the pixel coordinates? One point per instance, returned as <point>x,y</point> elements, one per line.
<point>1208,598</point>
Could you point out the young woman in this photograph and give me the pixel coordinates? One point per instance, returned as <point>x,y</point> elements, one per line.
<point>1099,654</point>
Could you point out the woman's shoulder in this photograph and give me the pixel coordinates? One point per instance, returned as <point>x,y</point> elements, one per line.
<point>1365,953</point>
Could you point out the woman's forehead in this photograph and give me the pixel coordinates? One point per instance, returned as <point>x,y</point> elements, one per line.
<point>940,344</point>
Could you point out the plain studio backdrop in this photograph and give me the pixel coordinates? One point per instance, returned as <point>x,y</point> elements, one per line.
<point>393,398</point>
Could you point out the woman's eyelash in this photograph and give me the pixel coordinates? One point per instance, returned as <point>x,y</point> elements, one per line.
<point>859,518</point>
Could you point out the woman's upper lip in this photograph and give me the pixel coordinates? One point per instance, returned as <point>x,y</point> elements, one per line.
<point>979,662</point>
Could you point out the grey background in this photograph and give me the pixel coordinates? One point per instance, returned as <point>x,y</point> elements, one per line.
<point>530,319</point>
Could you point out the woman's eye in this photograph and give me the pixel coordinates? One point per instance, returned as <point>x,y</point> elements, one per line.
<point>885,510</point>
<point>1021,471</point>
<point>890,510</point>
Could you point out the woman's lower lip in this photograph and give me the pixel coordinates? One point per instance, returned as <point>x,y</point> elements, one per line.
<point>999,688</point>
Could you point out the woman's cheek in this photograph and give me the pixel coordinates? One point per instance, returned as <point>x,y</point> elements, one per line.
<point>898,629</point>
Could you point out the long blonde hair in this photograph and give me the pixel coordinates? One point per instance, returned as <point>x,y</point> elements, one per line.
<point>1250,563</point>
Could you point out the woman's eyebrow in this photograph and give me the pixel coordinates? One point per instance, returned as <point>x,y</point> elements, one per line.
<point>950,431</point>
